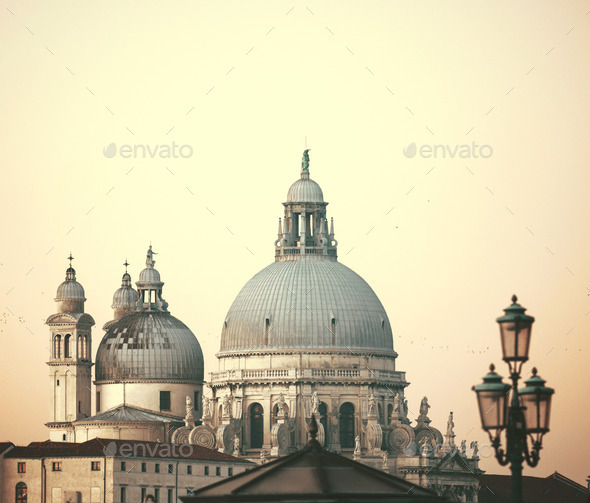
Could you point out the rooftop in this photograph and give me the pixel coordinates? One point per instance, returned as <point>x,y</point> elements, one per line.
<point>101,447</point>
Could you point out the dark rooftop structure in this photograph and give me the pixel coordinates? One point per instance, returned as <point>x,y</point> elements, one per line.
<point>100,447</point>
<point>313,474</point>
<point>552,489</point>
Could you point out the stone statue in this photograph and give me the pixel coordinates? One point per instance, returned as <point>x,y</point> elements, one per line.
<point>385,457</point>
<point>305,161</point>
<point>281,404</point>
<point>450,426</point>
<point>149,261</point>
<point>371,405</point>
<point>396,404</point>
<point>357,445</point>
<point>424,407</point>
<point>315,401</point>
<point>226,406</point>
<point>236,446</point>
<point>206,406</point>
<point>425,445</point>
<point>405,413</point>
<point>189,405</point>
<point>475,446</point>
<point>463,448</point>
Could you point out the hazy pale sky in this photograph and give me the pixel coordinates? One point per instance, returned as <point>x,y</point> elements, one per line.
<point>443,240</point>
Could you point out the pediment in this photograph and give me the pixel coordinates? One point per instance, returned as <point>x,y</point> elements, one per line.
<point>69,319</point>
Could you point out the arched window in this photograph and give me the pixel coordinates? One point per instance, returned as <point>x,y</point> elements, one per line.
<point>57,346</point>
<point>323,411</point>
<point>67,346</point>
<point>256,426</point>
<point>21,493</point>
<point>80,347</point>
<point>266,330</point>
<point>347,425</point>
<point>380,413</point>
<point>333,330</point>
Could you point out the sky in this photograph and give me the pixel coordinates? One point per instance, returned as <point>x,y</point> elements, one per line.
<point>450,139</point>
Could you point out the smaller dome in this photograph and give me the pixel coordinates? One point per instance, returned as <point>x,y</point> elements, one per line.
<point>70,289</point>
<point>305,190</point>
<point>125,296</point>
<point>149,275</point>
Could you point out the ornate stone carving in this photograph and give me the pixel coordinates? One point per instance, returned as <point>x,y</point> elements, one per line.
<point>226,406</point>
<point>203,436</point>
<point>280,439</point>
<point>374,437</point>
<point>475,449</point>
<point>372,411</point>
<point>400,439</point>
<point>315,402</point>
<point>181,435</point>
<point>189,419</point>
<point>225,438</point>
<point>206,407</point>
<point>357,449</point>
<point>236,447</point>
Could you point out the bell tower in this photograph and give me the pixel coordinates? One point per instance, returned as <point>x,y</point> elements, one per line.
<point>70,359</point>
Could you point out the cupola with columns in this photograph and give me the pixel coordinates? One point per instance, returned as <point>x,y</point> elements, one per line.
<point>304,230</point>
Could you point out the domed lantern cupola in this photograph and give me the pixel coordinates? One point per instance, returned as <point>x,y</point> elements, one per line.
<point>304,230</point>
<point>70,296</point>
<point>149,287</point>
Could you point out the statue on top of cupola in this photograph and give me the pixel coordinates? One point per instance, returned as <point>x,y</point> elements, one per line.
<point>305,161</point>
<point>149,261</point>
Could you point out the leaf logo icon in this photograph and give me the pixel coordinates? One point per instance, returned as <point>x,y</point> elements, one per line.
<point>410,150</point>
<point>110,449</point>
<point>110,150</point>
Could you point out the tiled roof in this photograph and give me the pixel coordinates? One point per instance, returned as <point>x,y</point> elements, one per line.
<point>5,445</point>
<point>556,487</point>
<point>121,448</point>
<point>126,413</point>
<point>314,474</point>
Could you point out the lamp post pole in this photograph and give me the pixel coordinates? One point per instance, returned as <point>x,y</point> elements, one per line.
<point>527,412</point>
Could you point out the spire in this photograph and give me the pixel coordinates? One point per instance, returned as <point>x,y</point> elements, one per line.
<point>70,271</point>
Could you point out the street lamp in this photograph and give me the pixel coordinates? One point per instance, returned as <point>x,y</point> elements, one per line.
<point>526,412</point>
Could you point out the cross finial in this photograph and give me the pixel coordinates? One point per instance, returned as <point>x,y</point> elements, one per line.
<point>126,264</point>
<point>70,258</point>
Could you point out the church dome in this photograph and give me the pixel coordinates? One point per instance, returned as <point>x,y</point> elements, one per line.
<point>126,296</point>
<point>149,345</point>
<point>70,289</point>
<point>306,299</point>
<point>149,275</point>
<point>311,303</point>
<point>305,190</point>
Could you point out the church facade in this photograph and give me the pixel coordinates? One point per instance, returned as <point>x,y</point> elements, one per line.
<point>306,336</point>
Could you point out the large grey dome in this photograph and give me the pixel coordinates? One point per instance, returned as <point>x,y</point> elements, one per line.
<point>149,345</point>
<point>309,303</point>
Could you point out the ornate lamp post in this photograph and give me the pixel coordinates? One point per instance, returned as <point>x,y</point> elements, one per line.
<point>525,414</point>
